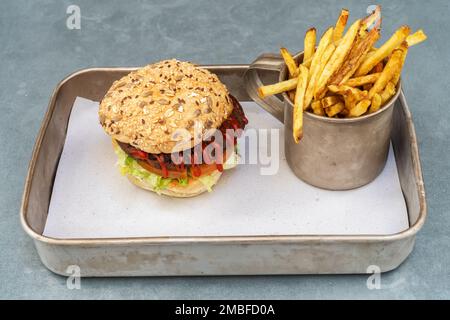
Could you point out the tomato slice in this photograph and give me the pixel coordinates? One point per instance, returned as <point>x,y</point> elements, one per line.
<point>174,174</point>
<point>200,170</point>
<point>205,169</point>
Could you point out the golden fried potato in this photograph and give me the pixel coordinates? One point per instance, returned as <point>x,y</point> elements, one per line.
<point>325,46</point>
<point>298,103</point>
<point>393,66</point>
<point>347,74</point>
<point>396,76</point>
<point>290,62</point>
<point>345,90</point>
<point>360,108</point>
<point>376,103</point>
<point>378,68</point>
<point>335,109</point>
<point>336,60</point>
<point>356,55</point>
<point>329,101</point>
<point>316,106</point>
<point>341,22</point>
<point>360,81</point>
<point>309,44</point>
<point>307,63</point>
<point>387,93</point>
<point>276,88</point>
<point>384,51</point>
<point>416,38</point>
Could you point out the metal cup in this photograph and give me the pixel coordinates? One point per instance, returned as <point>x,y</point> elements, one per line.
<point>334,154</point>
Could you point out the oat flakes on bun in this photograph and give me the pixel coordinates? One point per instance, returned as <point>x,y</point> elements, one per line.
<point>174,127</point>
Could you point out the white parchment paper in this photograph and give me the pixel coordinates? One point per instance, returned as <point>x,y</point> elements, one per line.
<point>91,199</point>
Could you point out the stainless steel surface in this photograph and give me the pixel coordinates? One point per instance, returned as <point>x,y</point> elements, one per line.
<point>290,254</point>
<point>334,154</point>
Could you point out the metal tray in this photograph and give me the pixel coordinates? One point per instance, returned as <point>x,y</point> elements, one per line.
<point>224,255</point>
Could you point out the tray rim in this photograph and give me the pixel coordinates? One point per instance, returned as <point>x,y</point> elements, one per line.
<point>177,240</point>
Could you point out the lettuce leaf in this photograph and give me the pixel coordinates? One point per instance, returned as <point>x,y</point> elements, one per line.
<point>208,181</point>
<point>183,181</point>
<point>128,165</point>
<point>232,161</point>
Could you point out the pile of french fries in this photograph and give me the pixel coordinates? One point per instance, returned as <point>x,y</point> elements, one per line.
<point>345,75</point>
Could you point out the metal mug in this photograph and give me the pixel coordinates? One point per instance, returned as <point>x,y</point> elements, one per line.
<point>334,154</point>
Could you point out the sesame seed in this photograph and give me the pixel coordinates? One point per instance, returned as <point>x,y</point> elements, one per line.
<point>163,101</point>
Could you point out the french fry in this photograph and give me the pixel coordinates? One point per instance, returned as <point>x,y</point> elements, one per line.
<point>360,81</point>
<point>360,108</point>
<point>346,74</point>
<point>329,101</point>
<point>290,62</point>
<point>324,60</point>
<point>376,103</point>
<point>309,44</point>
<point>336,60</point>
<point>316,106</point>
<point>384,51</point>
<point>307,63</point>
<point>316,68</point>
<point>351,95</point>
<point>350,101</point>
<point>392,66</point>
<point>298,103</point>
<point>276,88</point>
<point>416,38</point>
<point>341,22</point>
<point>335,109</point>
<point>387,93</point>
<point>347,90</point>
<point>413,39</point>
<point>355,57</point>
<point>397,74</point>
<point>378,68</point>
<point>291,95</point>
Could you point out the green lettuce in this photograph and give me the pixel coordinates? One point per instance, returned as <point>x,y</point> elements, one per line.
<point>128,165</point>
<point>183,182</point>
<point>232,160</point>
<point>208,181</point>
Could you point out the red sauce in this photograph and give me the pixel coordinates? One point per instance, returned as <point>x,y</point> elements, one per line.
<point>138,154</point>
<point>160,159</point>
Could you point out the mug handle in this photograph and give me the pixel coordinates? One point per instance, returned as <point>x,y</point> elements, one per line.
<point>268,62</point>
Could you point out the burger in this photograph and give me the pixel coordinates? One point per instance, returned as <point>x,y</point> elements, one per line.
<point>174,127</point>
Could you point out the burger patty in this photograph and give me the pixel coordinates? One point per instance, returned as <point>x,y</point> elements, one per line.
<point>236,121</point>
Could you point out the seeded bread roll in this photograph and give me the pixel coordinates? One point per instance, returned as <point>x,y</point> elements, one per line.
<point>146,107</point>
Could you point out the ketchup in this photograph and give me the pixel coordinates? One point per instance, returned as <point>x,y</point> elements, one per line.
<point>160,159</point>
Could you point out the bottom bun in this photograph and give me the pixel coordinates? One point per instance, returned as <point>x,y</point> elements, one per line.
<point>194,188</point>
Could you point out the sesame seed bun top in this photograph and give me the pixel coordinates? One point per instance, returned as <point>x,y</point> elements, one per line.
<point>147,106</point>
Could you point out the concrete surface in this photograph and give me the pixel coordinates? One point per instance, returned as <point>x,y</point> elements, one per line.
<point>37,50</point>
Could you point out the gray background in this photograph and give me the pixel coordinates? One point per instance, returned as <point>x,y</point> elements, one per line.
<point>37,51</point>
